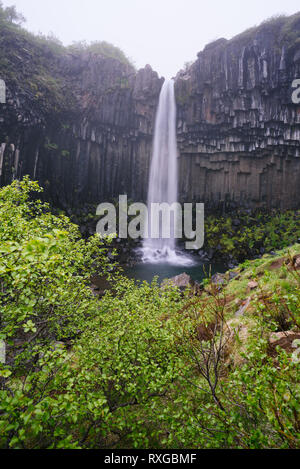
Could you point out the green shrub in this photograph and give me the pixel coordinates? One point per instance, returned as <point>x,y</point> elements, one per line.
<point>76,368</point>
<point>143,367</point>
<point>101,48</point>
<point>269,230</point>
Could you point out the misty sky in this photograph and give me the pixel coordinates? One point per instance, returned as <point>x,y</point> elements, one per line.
<point>162,33</point>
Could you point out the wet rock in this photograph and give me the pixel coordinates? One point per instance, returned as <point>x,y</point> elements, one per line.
<point>284,340</point>
<point>296,262</point>
<point>210,253</point>
<point>201,253</point>
<point>182,281</point>
<point>236,222</point>
<point>233,275</point>
<point>218,279</point>
<point>277,264</point>
<point>243,308</point>
<point>203,256</point>
<point>252,285</point>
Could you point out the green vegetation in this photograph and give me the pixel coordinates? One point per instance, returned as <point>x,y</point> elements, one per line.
<point>290,33</point>
<point>143,367</point>
<point>103,48</point>
<point>11,20</point>
<point>51,146</point>
<point>284,28</point>
<point>250,235</point>
<point>10,15</point>
<point>32,66</point>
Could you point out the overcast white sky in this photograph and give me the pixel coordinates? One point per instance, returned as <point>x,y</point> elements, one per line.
<point>162,33</point>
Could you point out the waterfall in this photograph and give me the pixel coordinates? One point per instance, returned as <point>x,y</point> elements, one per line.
<point>163,181</point>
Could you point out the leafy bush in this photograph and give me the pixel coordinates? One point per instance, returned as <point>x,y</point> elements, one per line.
<point>253,404</point>
<point>102,48</point>
<point>76,367</point>
<point>143,367</point>
<point>260,405</point>
<point>41,78</point>
<point>245,237</point>
<point>11,15</point>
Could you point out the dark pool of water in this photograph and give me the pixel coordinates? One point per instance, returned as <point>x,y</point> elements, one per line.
<point>198,271</point>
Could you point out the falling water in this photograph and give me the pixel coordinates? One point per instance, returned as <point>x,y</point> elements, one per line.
<point>163,182</point>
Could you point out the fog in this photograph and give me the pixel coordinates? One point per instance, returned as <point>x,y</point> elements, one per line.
<point>162,33</point>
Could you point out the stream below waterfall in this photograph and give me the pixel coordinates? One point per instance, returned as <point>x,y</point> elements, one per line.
<point>197,271</point>
<point>160,254</point>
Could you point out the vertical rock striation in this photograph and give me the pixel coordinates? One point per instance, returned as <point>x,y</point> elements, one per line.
<point>82,123</point>
<point>238,129</point>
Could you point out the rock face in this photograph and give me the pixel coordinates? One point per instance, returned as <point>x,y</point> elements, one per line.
<point>285,340</point>
<point>82,124</point>
<point>181,281</point>
<point>238,129</point>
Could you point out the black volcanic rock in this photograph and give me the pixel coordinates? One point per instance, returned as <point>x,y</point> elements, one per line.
<point>82,123</point>
<point>238,129</point>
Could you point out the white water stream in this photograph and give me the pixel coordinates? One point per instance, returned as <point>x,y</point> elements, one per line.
<point>163,181</point>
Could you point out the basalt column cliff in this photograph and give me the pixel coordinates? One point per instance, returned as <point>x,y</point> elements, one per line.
<point>79,122</point>
<point>82,123</point>
<point>238,127</point>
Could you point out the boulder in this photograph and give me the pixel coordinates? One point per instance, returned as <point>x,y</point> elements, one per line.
<point>218,279</point>
<point>243,308</point>
<point>182,281</point>
<point>236,222</point>
<point>252,285</point>
<point>285,340</point>
<point>296,262</point>
<point>233,275</point>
